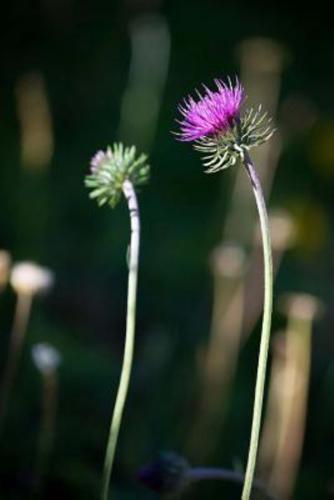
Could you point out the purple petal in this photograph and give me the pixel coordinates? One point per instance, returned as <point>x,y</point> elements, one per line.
<point>213,113</point>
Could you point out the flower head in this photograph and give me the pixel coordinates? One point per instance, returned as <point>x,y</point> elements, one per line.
<point>46,357</point>
<point>216,125</point>
<point>109,169</point>
<point>213,113</point>
<point>28,278</point>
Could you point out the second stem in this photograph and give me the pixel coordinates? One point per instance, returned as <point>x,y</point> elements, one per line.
<point>130,195</point>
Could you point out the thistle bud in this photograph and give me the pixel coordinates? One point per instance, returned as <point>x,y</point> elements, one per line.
<point>109,169</point>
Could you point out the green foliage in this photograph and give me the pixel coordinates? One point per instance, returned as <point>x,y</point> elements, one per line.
<point>110,169</point>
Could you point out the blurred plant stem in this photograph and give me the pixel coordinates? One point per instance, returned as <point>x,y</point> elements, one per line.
<point>21,318</point>
<point>47,426</point>
<point>283,434</point>
<point>5,265</point>
<point>130,195</point>
<point>148,69</point>
<point>223,346</point>
<point>233,287</point>
<point>35,119</point>
<point>266,326</point>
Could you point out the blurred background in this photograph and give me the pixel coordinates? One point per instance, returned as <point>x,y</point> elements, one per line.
<point>77,76</point>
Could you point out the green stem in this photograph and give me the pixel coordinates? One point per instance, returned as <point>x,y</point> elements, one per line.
<point>266,325</point>
<point>131,198</point>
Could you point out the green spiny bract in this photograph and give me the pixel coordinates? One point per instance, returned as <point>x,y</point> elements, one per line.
<point>225,150</point>
<point>109,170</point>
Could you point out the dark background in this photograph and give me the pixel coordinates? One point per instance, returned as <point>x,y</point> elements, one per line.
<point>82,52</point>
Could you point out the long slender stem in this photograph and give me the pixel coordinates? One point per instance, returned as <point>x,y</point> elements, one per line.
<point>22,312</point>
<point>266,325</point>
<point>131,198</point>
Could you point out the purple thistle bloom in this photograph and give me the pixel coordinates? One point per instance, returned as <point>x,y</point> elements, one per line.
<point>213,113</point>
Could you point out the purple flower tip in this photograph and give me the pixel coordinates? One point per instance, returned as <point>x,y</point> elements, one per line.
<point>99,159</point>
<point>212,113</point>
<point>96,161</point>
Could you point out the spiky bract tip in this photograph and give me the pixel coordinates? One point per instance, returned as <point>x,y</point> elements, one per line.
<point>224,150</point>
<point>109,169</point>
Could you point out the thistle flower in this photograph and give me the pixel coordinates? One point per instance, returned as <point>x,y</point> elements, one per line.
<point>213,113</point>
<point>109,169</point>
<point>219,130</point>
<point>215,124</point>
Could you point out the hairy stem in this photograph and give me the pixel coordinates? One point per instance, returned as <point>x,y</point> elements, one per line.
<point>266,325</point>
<point>131,198</point>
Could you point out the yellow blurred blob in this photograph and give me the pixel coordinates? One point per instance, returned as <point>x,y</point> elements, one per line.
<point>5,265</point>
<point>311,226</point>
<point>35,121</point>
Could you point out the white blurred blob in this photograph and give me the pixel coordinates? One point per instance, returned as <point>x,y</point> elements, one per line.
<point>28,278</point>
<point>282,230</point>
<point>229,260</point>
<point>150,49</point>
<point>301,306</point>
<point>46,357</point>
<point>5,263</point>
